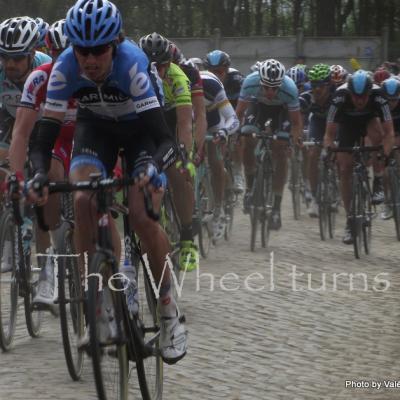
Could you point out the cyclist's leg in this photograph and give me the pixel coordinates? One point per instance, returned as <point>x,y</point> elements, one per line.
<point>95,150</point>
<point>216,163</point>
<point>374,137</point>
<point>317,130</point>
<point>155,244</point>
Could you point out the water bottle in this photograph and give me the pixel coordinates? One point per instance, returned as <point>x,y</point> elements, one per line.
<point>27,234</point>
<point>130,285</point>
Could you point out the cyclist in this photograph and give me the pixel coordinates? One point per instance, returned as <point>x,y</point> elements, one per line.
<point>197,95</point>
<point>357,109</point>
<point>219,63</point>
<point>117,108</point>
<point>269,93</point>
<point>222,122</point>
<point>338,75</point>
<point>18,38</point>
<point>33,97</point>
<point>298,76</point>
<point>380,75</point>
<point>178,112</point>
<point>43,29</point>
<point>314,105</point>
<point>391,90</point>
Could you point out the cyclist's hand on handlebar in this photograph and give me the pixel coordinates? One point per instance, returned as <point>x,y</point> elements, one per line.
<point>38,191</point>
<point>145,173</point>
<point>15,185</point>
<point>221,136</point>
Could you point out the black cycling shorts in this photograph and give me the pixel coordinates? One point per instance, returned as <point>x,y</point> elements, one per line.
<point>258,113</point>
<point>98,142</point>
<point>352,131</point>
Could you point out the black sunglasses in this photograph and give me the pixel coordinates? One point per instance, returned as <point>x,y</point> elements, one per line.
<point>16,58</point>
<point>95,50</point>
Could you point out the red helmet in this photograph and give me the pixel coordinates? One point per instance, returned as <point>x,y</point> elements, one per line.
<point>380,75</point>
<point>338,74</point>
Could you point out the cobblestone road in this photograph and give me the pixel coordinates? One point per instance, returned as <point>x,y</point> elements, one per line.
<point>293,331</point>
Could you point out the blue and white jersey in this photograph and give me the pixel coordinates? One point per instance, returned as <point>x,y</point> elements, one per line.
<point>10,93</point>
<point>215,98</point>
<point>287,94</point>
<point>126,92</point>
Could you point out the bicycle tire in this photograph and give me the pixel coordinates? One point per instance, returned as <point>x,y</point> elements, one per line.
<point>149,367</point>
<point>367,220</point>
<point>100,264</point>
<point>295,186</point>
<point>30,274</point>
<point>70,298</point>
<point>332,205</point>
<point>229,209</point>
<point>323,199</point>
<point>356,215</point>
<point>205,205</point>
<point>395,197</point>
<point>268,199</point>
<point>8,283</point>
<point>255,207</point>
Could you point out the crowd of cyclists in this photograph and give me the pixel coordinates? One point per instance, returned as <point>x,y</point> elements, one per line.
<point>75,92</point>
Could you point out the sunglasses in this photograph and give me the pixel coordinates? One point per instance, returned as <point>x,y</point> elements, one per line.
<point>15,58</point>
<point>273,88</point>
<point>95,51</point>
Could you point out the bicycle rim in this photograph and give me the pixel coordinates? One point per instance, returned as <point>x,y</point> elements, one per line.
<point>70,302</point>
<point>8,282</point>
<point>110,363</point>
<point>149,368</point>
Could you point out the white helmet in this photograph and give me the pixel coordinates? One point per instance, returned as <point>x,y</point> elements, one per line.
<point>55,37</point>
<point>271,72</point>
<point>18,35</point>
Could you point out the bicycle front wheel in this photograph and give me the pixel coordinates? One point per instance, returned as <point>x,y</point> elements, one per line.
<point>8,280</point>
<point>356,216</point>
<point>395,197</point>
<point>70,299</point>
<point>323,204</point>
<point>110,361</point>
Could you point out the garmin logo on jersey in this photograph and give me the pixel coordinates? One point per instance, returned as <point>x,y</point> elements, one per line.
<point>147,104</point>
<point>57,81</point>
<point>107,97</point>
<point>140,83</point>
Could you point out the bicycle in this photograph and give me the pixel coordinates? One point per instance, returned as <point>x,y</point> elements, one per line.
<point>261,195</point>
<point>70,292</point>
<point>393,172</point>
<point>361,214</point>
<point>20,278</point>
<point>327,193</point>
<point>137,338</point>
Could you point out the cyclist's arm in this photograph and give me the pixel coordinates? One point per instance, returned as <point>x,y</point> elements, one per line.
<point>49,129</point>
<point>241,109</point>
<point>165,154</point>
<point>200,120</point>
<point>296,125</point>
<point>23,126</point>
<point>184,125</point>
<point>228,115</point>
<point>388,136</point>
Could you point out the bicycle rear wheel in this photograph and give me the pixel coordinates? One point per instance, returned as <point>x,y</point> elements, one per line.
<point>8,281</point>
<point>205,206</point>
<point>229,213</point>
<point>149,363</point>
<point>70,298</point>
<point>110,362</point>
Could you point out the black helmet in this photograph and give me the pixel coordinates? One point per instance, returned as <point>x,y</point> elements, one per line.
<point>156,47</point>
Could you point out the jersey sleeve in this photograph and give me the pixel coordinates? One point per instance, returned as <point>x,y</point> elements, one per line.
<point>137,82</point>
<point>250,87</point>
<point>382,106</point>
<point>336,106</point>
<point>34,92</point>
<point>61,82</point>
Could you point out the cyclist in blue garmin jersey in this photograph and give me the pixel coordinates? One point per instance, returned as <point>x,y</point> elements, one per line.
<point>117,108</point>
